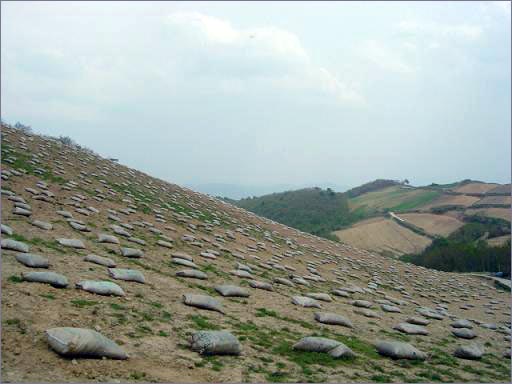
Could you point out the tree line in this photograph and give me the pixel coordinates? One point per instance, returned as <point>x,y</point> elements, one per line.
<point>466,250</point>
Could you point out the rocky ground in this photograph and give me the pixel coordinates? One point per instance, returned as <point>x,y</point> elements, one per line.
<point>83,197</point>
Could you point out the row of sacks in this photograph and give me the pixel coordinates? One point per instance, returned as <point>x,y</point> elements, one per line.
<point>58,280</point>
<point>82,342</point>
<point>37,261</point>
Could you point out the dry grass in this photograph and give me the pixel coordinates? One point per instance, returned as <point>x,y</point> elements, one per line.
<point>433,224</point>
<point>492,200</point>
<point>383,234</point>
<point>460,200</point>
<point>500,213</point>
<point>476,188</point>
<point>496,241</point>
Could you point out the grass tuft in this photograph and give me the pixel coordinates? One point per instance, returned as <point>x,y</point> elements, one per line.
<point>83,303</point>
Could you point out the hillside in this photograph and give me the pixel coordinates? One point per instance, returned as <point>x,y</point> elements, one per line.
<point>384,236</point>
<point>322,212</point>
<point>435,225</point>
<point>396,198</point>
<point>424,213</point>
<point>482,244</point>
<point>311,210</point>
<point>371,187</point>
<point>165,235</point>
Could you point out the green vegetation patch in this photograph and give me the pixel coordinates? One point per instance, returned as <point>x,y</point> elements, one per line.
<point>306,360</point>
<point>22,161</point>
<point>211,268</point>
<point>203,323</point>
<point>312,210</point>
<point>381,379</point>
<point>440,357</point>
<point>278,377</point>
<point>465,250</point>
<point>37,241</point>
<point>371,187</point>
<point>12,321</point>
<point>416,201</point>
<point>15,279</point>
<point>83,303</point>
<point>117,307</point>
<point>263,312</point>
<point>215,363</point>
<point>395,335</point>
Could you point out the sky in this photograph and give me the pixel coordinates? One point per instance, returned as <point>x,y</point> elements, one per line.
<point>268,93</point>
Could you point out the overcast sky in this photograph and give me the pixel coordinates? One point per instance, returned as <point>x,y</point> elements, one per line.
<point>260,93</point>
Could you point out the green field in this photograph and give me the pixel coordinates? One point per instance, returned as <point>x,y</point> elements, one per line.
<point>392,199</point>
<point>416,201</point>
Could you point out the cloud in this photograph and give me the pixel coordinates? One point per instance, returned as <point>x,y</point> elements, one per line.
<point>409,46</point>
<point>385,57</point>
<point>470,32</point>
<point>343,91</point>
<point>416,42</point>
<point>466,32</point>
<point>503,6</point>
<point>213,29</point>
<point>269,40</point>
<point>239,57</point>
<point>404,53</point>
<point>232,95</point>
<point>180,55</point>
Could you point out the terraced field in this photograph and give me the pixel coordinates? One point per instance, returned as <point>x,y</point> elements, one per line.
<point>441,225</point>
<point>499,213</point>
<point>501,190</point>
<point>76,222</point>
<point>498,240</point>
<point>436,210</point>
<point>494,200</point>
<point>394,198</point>
<point>450,200</point>
<point>383,235</point>
<point>476,188</point>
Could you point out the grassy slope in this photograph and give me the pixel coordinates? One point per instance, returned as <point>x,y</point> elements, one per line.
<point>384,236</point>
<point>392,199</point>
<point>321,213</point>
<point>311,210</point>
<point>375,185</point>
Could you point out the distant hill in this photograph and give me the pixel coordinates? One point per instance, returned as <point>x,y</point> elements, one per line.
<point>371,186</point>
<point>407,220</point>
<point>397,198</point>
<point>465,250</point>
<point>238,191</point>
<point>312,210</point>
<point>424,213</point>
<point>242,191</point>
<point>321,212</point>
